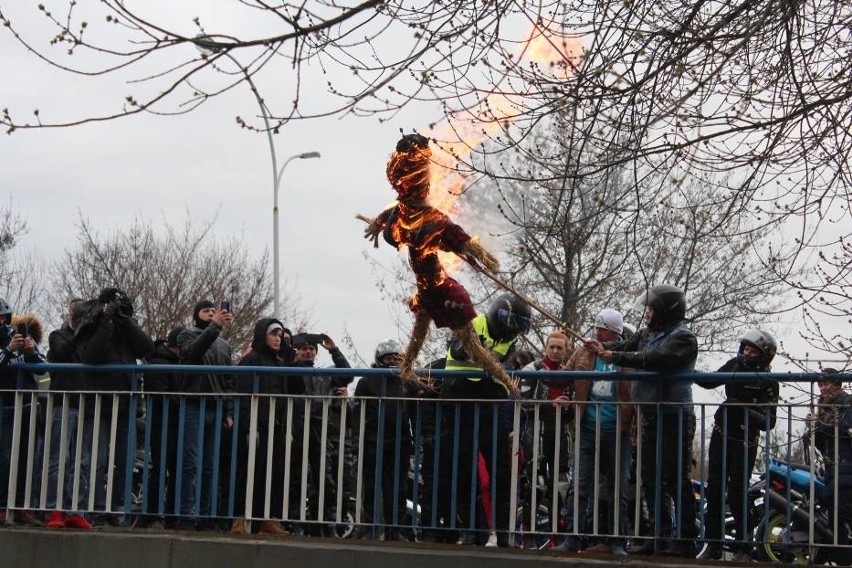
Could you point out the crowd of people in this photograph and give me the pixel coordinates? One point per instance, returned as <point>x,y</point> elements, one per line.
<point>288,451</point>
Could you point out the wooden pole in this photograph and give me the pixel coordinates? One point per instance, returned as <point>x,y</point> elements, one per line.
<point>539,309</point>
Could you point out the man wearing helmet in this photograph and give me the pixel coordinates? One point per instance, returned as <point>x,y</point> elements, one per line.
<point>498,331</point>
<point>748,409</point>
<point>665,415</point>
<point>15,348</point>
<point>387,433</point>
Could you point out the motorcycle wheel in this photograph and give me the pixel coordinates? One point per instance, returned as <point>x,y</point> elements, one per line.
<point>775,545</point>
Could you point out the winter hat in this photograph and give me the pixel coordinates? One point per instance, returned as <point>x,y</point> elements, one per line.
<point>273,326</point>
<point>198,307</point>
<point>610,319</point>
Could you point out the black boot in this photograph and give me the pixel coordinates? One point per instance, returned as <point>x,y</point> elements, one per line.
<point>644,549</point>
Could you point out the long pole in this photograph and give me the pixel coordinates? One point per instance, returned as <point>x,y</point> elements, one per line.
<point>509,288</point>
<point>275,243</point>
<point>276,181</point>
<point>277,174</point>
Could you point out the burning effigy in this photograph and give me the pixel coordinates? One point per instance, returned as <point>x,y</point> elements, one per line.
<point>412,223</point>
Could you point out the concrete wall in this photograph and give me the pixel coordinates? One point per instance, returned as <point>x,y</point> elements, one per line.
<point>39,548</point>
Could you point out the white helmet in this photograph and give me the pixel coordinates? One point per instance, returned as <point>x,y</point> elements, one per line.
<point>385,348</point>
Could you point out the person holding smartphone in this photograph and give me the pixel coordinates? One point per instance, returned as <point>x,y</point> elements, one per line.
<point>320,388</point>
<point>203,344</point>
<point>16,347</point>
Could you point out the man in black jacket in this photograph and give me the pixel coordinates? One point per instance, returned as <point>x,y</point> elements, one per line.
<point>386,437</point>
<point>201,344</point>
<point>108,334</point>
<point>749,408</point>
<point>665,416</point>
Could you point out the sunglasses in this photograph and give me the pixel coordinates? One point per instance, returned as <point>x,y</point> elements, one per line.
<point>514,321</point>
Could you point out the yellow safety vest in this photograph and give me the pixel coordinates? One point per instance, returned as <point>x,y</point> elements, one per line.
<point>498,348</point>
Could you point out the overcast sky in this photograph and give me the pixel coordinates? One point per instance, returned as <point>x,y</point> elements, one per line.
<point>203,163</point>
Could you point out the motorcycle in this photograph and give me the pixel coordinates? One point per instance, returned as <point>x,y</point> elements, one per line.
<point>784,536</point>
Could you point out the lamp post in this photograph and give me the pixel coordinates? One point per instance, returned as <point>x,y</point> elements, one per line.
<point>208,45</point>
<point>275,247</point>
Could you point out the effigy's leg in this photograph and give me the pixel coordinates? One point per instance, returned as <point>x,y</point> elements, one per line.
<point>471,344</point>
<point>418,336</point>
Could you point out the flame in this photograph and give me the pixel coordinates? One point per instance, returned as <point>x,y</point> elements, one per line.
<point>459,135</point>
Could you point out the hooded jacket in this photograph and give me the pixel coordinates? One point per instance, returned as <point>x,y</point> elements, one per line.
<point>261,355</point>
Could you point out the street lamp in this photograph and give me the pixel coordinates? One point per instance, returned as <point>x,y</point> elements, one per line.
<point>275,252</point>
<point>208,45</point>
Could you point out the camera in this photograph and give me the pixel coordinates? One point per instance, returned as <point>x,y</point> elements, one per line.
<point>22,329</point>
<point>116,302</point>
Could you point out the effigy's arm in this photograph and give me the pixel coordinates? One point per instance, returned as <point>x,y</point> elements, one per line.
<point>375,225</point>
<point>475,254</point>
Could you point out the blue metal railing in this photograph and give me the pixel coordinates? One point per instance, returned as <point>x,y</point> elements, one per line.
<point>317,480</point>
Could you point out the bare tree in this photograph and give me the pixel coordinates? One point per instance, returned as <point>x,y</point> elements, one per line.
<point>21,271</point>
<point>751,96</point>
<point>167,271</point>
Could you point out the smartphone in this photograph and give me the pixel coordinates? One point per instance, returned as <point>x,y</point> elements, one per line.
<point>22,329</point>
<point>307,338</point>
<point>316,338</point>
<point>225,305</point>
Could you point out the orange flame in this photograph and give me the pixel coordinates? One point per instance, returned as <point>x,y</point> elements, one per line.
<point>459,136</point>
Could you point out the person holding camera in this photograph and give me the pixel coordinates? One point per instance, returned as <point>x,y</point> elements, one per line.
<point>16,347</point>
<point>202,344</point>
<point>106,333</point>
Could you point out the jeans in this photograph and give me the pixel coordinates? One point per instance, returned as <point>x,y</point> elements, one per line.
<point>53,460</point>
<point>667,454</point>
<point>7,421</point>
<point>162,411</point>
<point>610,456</point>
<point>198,459</point>
<point>104,469</point>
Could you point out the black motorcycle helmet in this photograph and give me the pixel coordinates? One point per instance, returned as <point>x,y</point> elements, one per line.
<point>763,342</point>
<point>508,317</point>
<point>668,303</point>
